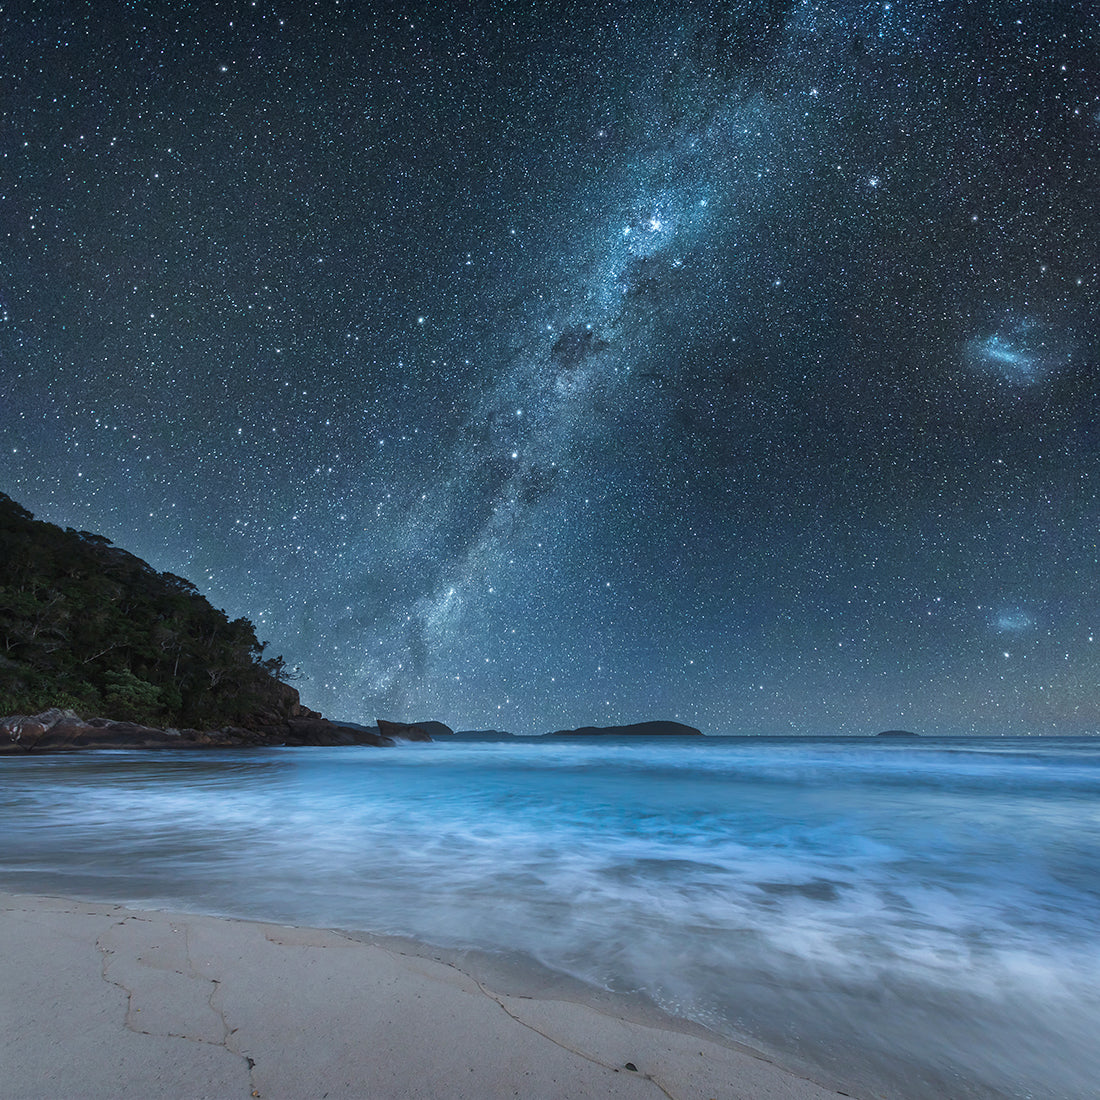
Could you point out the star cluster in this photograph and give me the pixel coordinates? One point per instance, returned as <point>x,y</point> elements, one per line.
<point>529,365</point>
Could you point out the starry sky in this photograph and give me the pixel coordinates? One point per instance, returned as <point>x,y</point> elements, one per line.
<point>528,365</point>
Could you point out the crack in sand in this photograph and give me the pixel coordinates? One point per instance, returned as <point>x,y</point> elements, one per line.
<point>743,1049</point>
<point>489,995</point>
<point>130,1023</point>
<point>563,1045</point>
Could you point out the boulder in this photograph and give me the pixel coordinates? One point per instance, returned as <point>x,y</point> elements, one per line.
<point>400,731</point>
<point>24,732</point>
<point>434,729</point>
<point>20,731</point>
<point>320,731</point>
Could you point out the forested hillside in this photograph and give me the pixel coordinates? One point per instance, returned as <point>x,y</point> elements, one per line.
<point>86,625</point>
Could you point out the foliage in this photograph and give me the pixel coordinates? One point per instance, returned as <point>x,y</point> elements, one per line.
<point>86,625</point>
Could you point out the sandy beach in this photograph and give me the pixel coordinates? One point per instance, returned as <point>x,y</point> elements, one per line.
<point>105,1001</point>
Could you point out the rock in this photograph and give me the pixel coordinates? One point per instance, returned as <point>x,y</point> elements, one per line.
<point>25,732</point>
<point>290,723</point>
<point>320,731</point>
<point>635,729</point>
<point>20,731</point>
<point>56,731</point>
<point>61,731</point>
<point>434,729</point>
<point>398,731</point>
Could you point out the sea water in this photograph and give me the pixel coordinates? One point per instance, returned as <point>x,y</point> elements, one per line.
<point>919,917</point>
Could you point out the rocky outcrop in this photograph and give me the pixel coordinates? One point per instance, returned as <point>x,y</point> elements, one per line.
<point>435,729</point>
<point>57,730</point>
<point>635,729</point>
<point>320,731</point>
<point>91,625</point>
<point>399,731</point>
<point>286,722</point>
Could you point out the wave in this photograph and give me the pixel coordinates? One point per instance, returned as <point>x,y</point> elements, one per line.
<point>939,907</point>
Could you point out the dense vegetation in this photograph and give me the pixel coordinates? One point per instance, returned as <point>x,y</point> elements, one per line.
<point>86,625</point>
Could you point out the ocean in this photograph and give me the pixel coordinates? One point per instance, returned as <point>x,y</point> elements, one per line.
<point>918,917</point>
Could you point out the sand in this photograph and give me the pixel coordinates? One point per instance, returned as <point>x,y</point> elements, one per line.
<point>98,1000</point>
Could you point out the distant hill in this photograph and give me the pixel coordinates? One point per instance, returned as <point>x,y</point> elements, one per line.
<point>635,729</point>
<point>897,733</point>
<point>88,626</point>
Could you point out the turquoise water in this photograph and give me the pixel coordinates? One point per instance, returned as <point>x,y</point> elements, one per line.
<point>926,910</point>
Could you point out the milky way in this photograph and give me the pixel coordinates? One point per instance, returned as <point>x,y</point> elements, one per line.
<point>533,365</point>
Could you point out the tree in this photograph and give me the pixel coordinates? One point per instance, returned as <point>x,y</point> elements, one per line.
<point>87,622</point>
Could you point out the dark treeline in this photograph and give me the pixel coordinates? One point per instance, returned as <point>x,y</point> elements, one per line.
<point>86,625</point>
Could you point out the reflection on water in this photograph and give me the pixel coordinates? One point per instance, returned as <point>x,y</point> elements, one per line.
<point>934,906</point>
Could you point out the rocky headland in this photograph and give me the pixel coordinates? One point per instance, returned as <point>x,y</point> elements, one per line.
<point>86,628</point>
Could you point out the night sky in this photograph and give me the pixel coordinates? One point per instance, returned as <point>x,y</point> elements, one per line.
<point>524,365</point>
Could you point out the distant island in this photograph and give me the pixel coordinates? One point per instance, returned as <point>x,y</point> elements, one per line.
<point>897,733</point>
<point>634,729</point>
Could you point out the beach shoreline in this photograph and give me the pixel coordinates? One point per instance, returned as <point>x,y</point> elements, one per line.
<point>103,1000</point>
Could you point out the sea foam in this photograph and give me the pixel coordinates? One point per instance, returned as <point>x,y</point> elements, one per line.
<point>928,911</point>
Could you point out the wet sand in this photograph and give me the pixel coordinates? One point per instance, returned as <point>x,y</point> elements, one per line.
<point>102,1001</point>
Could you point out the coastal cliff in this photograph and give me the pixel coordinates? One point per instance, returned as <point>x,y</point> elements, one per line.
<point>87,626</point>
<point>88,629</point>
